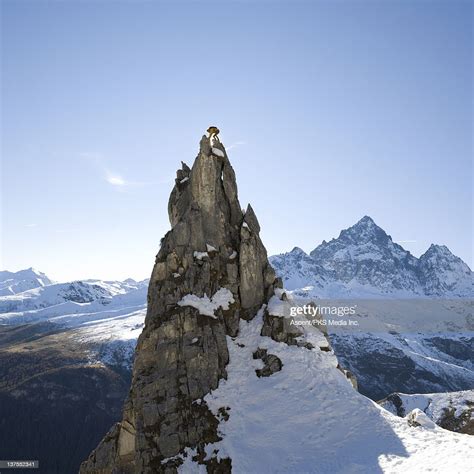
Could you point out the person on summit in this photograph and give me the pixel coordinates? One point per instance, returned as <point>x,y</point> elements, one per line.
<point>213,132</point>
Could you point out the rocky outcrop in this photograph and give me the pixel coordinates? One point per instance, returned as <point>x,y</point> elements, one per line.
<point>272,363</point>
<point>276,328</point>
<point>214,257</point>
<point>452,411</point>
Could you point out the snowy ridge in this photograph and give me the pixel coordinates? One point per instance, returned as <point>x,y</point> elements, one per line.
<point>442,273</point>
<point>453,408</point>
<point>318,422</point>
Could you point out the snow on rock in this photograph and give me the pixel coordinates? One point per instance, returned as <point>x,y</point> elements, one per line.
<point>217,152</point>
<point>443,273</point>
<point>308,418</point>
<point>200,255</point>
<point>245,225</point>
<point>278,306</point>
<point>419,418</point>
<point>207,306</point>
<point>233,255</point>
<point>210,248</point>
<point>184,180</point>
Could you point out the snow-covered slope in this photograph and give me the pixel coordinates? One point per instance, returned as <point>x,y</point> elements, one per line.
<point>364,261</point>
<point>308,418</point>
<point>17,282</point>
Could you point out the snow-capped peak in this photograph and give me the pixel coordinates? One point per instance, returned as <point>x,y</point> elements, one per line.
<point>363,231</point>
<point>366,221</point>
<point>443,272</point>
<point>364,260</point>
<point>12,283</point>
<point>298,251</point>
<point>441,253</point>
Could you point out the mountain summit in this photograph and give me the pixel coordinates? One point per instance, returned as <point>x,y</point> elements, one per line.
<point>364,260</point>
<point>365,254</point>
<point>223,382</point>
<point>442,272</point>
<point>12,283</point>
<point>211,271</point>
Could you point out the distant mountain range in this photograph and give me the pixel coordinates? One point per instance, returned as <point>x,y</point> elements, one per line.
<point>70,302</point>
<point>364,262</point>
<point>417,312</point>
<point>105,317</point>
<point>66,351</point>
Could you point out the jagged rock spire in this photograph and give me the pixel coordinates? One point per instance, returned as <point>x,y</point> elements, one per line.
<point>213,249</point>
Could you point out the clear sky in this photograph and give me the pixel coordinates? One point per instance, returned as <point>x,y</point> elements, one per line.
<point>329,110</point>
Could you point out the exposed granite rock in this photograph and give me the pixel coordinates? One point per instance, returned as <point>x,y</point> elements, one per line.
<point>256,274</point>
<point>459,422</point>
<point>182,354</point>
<point>272,363</point>
<point>276,328</point>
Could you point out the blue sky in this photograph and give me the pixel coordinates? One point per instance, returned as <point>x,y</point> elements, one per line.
<point>332,110</point>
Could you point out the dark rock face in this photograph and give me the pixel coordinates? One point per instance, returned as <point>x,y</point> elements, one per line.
<point>397,403</point>
<point>461,423</point>
<point>79,292</point>
<point>461,348</point>
<point>275,327</point>
<point>382,367</point>
<point>182,353</point>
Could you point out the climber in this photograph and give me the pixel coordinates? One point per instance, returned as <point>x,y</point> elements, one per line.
<point>213,132</point>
